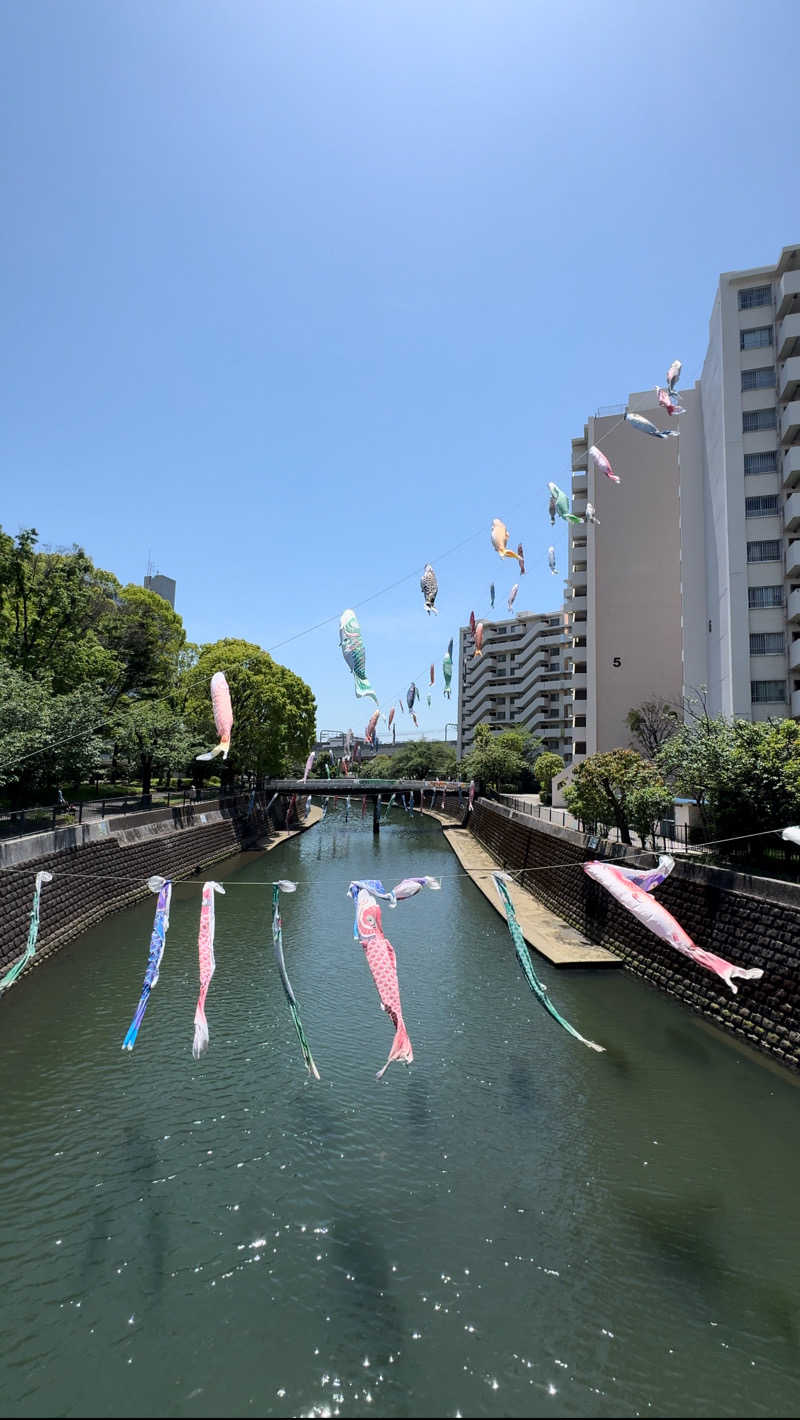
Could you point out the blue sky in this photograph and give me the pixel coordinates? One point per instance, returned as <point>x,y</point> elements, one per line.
<point>299,296</point>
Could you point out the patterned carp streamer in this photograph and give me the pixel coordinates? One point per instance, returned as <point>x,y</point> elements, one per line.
<point>309,763</point>
<point>352,644</point>
<point>648,427</point>
<point>409,887</point>
<point>205,952</point>
<point>631,889</point>
<point>524,959</point>
<point>559,503</point>
<point>447,668</point>
<point>551,560</point>
<point>673,375</point>
<point>478,640</point>
<point>666,401</point>
<point>500,536</point>
<point>491,594</point>
<point>33,932</point>
<point>429,588</point>
<point>223,716</point>
<point>370,733</point>
<point>512,596</point>
<point>591,515</point>
<point>600,461</point>
<point>382,963</point>
<point>158,941</point>
<point>277,940</point>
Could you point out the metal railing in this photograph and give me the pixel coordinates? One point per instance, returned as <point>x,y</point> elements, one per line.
<point>669,836</point>
<point>39,818</point>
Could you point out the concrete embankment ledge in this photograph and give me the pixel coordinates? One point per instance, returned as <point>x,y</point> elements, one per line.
<point>548,934</point>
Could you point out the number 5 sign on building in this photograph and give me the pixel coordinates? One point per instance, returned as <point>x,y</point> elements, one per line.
<point>617,662</point>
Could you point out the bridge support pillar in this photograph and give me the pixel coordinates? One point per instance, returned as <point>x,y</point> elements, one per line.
<point>376,814</point>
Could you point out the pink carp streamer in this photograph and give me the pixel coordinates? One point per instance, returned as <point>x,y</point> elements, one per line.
<point>223,716</point>
<point>309,763</point>
<point>382,963</point>
<point>630,895</point>
<point>205,950</point>
<point>604,465</point>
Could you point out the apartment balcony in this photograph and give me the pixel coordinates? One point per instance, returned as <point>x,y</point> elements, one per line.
<point>789,379</point>
<point>787,295</point>
<point>579,681</point>
<point>580,482</point>
<point>791,512</point>
<point>580,454</point>
<point>793,558</point>
<point>796,704</point>
<point>793,607</point>
<point>790,422</point>
<point>788,342</point>
<point>791,466</point>
<point>794,655</point>
<point>577,605</point>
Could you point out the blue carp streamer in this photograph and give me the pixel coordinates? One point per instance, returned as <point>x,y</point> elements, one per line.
<point>277,939</point>
<point>158,941</point>
<point>524,959</point>
<point>33,932</point>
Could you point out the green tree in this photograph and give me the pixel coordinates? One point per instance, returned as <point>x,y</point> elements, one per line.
<point>424,759</point>
<point>274,710</point>
<point>381,767</point>
<point>151,739</point>
<point>147,638</point>
<point>546,767</point>
<point>607,789</point>
<point>744,775</point>
<point>652,724</point>
<point>45,739</point>
<point>52,606</point>
<point>497,760</point>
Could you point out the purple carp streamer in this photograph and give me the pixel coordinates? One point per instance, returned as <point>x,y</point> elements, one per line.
<point>205,952</point>
<point>409,887</point>
<point>648,427</point>
<point>277,940</point>
<point>223,716</point>
<point>429,588</point>
<point>352,644</point>
<point>158,941</point>
<point>524,958</point>
<point>635,899</point>
<point>33,932</point>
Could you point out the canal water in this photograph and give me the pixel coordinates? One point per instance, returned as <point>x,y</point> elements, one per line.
<point>513,1226</point>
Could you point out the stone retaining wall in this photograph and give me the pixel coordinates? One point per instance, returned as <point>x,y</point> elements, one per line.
<point>98,876</point>
<point>751,921</point>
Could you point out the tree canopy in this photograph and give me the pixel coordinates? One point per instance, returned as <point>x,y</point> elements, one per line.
<point>744,775</point>
<point>423,759</point>
<point>621,789</point>
<point>652,724</point>
<point>497,760</point>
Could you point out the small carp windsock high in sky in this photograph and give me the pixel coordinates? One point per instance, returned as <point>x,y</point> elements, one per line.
<point>551,560</point>
<point>429,587</point>
<point>223,716</point>
<point>447,668</point>
<point>500,536</point>
<point>491,595</point>
<point>599,459</point>
<point>666,401</point>
<point>512,596</point>
<point>561,501</point>
<point>478,640</point>
<point>352,644</point>
<point>591,516</point>
<point>673,375</point>
<point>369,733</point>
<point>648,427</point>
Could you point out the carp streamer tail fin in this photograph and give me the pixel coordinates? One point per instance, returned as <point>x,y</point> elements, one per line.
<point>401,1049</point>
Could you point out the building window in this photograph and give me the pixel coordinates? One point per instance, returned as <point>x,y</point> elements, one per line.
<point>767,551</point>
<point>771,692</point>
<point>754,419</point>
<point>761,379</point>
<point>766,643</point>
<point>765,596</point>
<point>755,296</point>
<point>757,339</point>
<point>766,462</point>
<point>761,506</point>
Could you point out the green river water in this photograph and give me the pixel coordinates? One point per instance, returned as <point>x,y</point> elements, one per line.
<point>513,1226</point>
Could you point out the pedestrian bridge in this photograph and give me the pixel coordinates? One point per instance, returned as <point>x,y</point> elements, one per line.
<point>450,796</point>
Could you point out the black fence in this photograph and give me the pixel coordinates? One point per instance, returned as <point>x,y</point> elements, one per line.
<point>18,823</point>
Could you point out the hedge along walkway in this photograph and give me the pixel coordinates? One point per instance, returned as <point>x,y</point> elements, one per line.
<point>543,930</point>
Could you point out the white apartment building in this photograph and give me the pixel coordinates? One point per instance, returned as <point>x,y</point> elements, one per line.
<point>750,396</point>
<point>691,578</point>
<point>624,584</point>
<point>520,682</point>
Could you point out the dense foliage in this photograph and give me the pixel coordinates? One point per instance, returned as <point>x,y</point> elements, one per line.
<point>619,789</point>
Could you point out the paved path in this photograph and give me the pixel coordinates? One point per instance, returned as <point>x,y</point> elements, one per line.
<point>543,930</point>
<point>313,816</point>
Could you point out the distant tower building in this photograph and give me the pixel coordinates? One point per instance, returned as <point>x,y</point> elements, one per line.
<point>162,586</point>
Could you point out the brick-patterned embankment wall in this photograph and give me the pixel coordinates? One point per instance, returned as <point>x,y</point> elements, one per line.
<point>751,921</point>
<point>116,869</point>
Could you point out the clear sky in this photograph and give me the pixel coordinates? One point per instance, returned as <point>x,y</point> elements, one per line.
<point>298,296</point>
